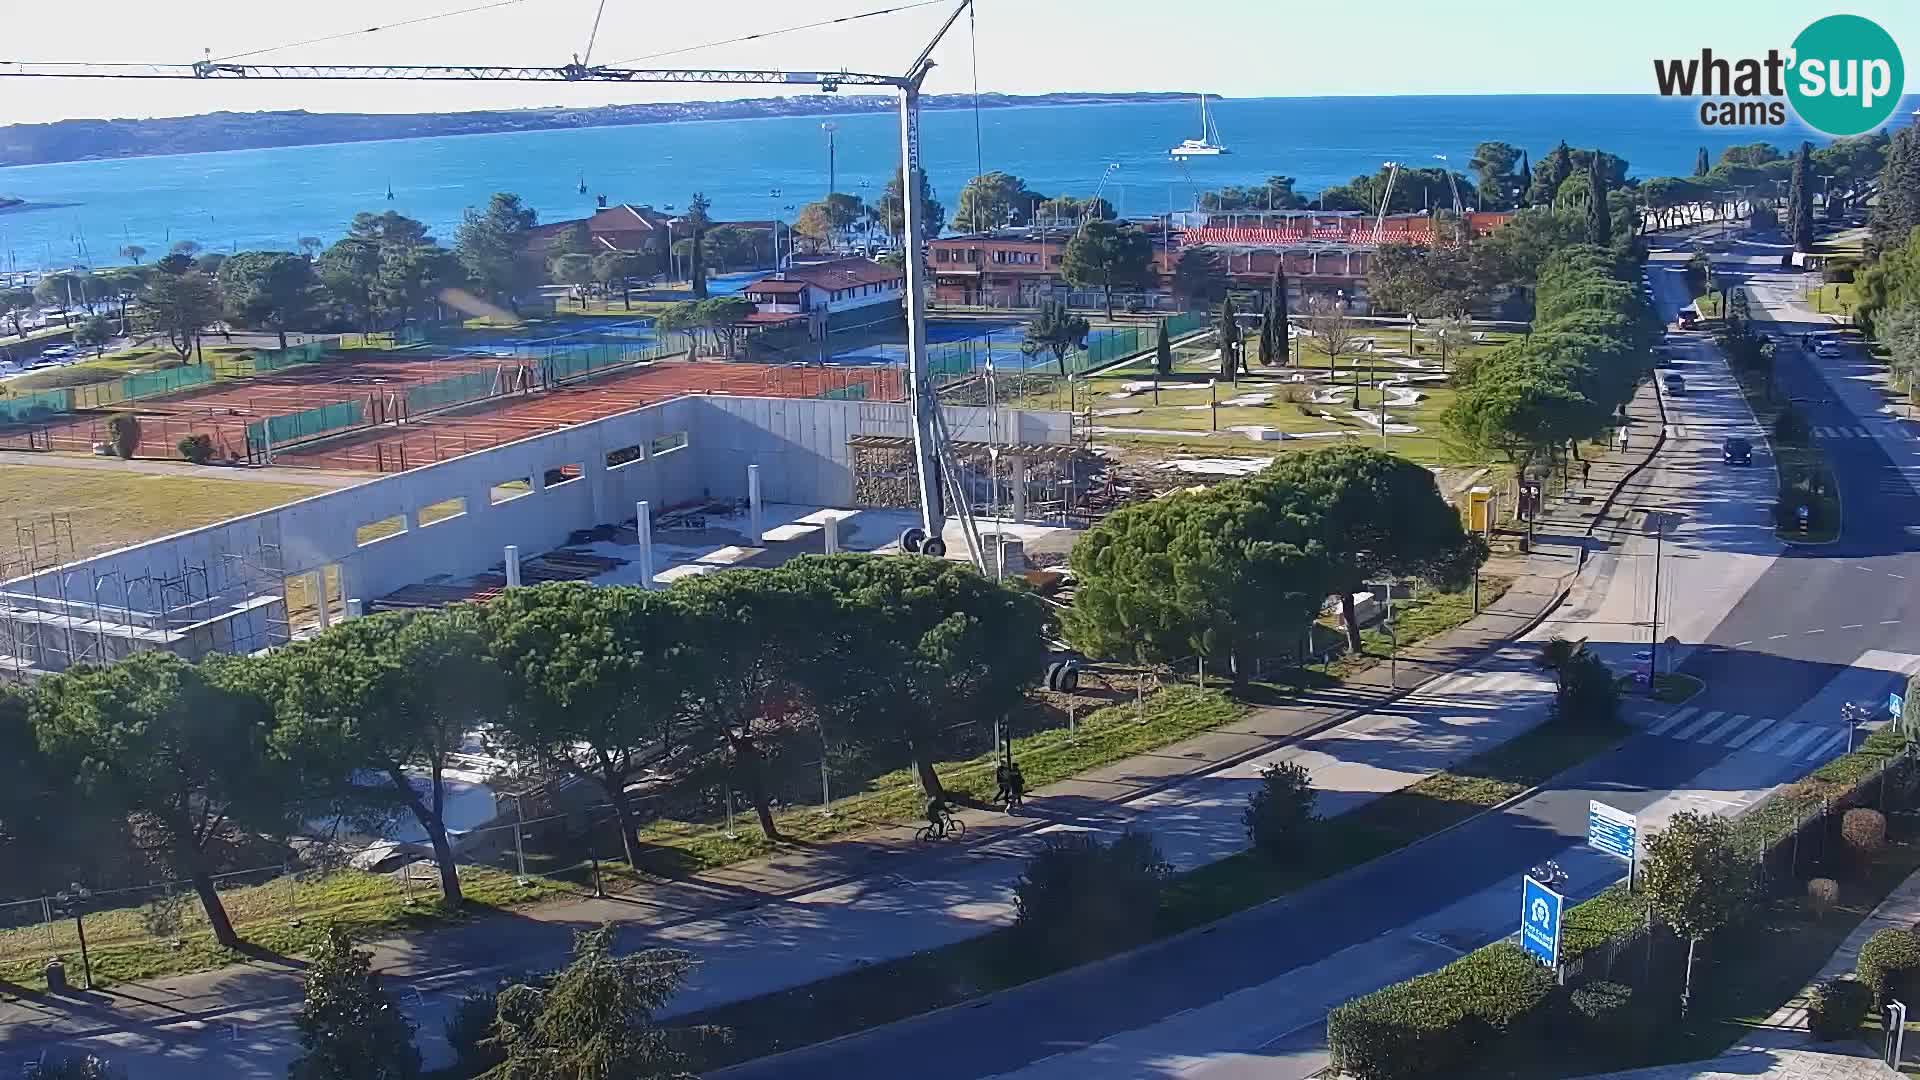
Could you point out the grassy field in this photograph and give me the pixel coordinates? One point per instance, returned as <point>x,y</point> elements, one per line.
<point>882,993</point>
<point>285,916</point>
<point>111,509</point>
<point>1836,298</point>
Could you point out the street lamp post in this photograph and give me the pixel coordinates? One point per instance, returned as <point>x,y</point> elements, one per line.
<point>74,900</point>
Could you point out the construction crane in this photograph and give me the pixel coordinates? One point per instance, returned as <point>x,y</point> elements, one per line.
<point>937,478</point>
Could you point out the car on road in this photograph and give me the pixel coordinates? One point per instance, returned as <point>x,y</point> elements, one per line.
<point>1675,384</point>
<point>1736,451</point>
<point>1828,348</point>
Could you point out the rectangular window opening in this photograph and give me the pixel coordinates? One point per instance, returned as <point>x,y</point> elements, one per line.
<point>509,490</point>
<point>561,475</point>
<point>376,531</point>
<point>443,510</point>
<point>667,444</point>
<point>625,455</point>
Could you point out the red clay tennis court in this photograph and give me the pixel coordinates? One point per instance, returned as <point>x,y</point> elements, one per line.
<point>223,411</point>
<point>395,448</point>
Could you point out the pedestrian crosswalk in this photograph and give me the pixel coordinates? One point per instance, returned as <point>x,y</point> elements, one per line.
<point>1820,432</point>
<point>1755,734</point>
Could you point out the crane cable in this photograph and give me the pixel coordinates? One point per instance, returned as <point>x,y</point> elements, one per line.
<point>973,58</point>
<point>775,33</point>
<point>587,57</point>
<point>373,29</point>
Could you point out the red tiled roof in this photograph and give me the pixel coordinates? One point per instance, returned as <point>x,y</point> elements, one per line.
<point>769,285</point>
<point>772,316</point>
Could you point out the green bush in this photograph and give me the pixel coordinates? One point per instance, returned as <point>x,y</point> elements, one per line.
<point>1836,1007</point>
<point>1889,963</point>
<point>1279,814</point>
<point>196,448</point>
<point>124,429</point>
<point>1604,1014</point>
<point>1434,1024</point>
<point>1590,696</point>
<point>74,1067</point>
<point>471,1021</point>
<point>1081,899</point>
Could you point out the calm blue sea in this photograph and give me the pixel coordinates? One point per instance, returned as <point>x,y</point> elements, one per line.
<point>760,168</point>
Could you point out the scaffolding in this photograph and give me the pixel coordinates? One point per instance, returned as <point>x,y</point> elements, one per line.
<point>74,614</point>
<point>39,543</point>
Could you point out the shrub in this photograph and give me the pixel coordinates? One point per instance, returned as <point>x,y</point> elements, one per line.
<point>196,448</point>
<point>1822,894</point>
<point>1888,964</point>
<point>1604,1014</point>
<point>1081,899</point>
<point>74,1067</point>
<point>1865,834</point>
<point>470,1022</point>
<point>1836,1007</point>
<point>124,430</point>
<point>1590,696</point>
<point>1279,814</point>
<point>1433,1025</point>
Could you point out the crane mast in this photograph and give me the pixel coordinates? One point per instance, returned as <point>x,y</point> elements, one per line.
<point>938,480</point>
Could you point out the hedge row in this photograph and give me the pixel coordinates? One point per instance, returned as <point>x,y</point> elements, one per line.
<point>1433,1024</point>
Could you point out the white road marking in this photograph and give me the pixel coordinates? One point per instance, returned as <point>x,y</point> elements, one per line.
<point>1720,732</point>
<point>1746,736</point>
<point>1801,743</point>
<point>1783,731</point>
<point>1741,644</point>
<point>1698,725</point>
<point>1853,626</point>
<point>1677,718</point>
<point>1775,637</point>
<point>1816,631</point>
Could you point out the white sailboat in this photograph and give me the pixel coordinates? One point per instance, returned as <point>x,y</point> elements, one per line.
<point>1208,144</point>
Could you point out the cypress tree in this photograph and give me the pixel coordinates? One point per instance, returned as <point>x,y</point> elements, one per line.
<point>1228,332</point>
<point>1701,165</point>
<point>1266,335</point>
<point>1522,179</point>
<point>1599,221</point>
<point>1800,199</point>
<point>1163,352</point>
<point>1278,299</point>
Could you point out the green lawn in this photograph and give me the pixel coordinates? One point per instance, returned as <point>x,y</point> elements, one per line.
<point>284,916</point>
<point>882,993</point>
<point>1836,298</point>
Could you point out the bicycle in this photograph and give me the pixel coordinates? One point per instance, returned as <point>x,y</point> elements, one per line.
<point>950,828</point>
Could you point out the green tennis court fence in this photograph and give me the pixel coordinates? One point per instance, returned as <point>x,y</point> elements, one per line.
<point>142,385</point>
<point>456,390</point>
<point>35,406</point>
<point>850,392</point>
<point>386,339</point>
<point>275,359</point>
<point>275,430</point>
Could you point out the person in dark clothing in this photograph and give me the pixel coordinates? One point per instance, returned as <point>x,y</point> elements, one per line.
<point>1002,780</point>
<point>1016,788</point>
<point>937,812</point>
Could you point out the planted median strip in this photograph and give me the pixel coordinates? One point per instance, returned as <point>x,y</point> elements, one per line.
<point>898,989</point>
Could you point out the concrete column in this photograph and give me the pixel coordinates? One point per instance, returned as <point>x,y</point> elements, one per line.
<point>754,523</point>
<point>830,524</point>
<point>410,519</point>
<point>643,528</point>
<point>317,581</point>
<point>356,608</point>
<point>1017,468</point>
<point>513,565</point>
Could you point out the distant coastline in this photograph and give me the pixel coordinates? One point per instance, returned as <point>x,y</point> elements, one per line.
<point>93,140</point>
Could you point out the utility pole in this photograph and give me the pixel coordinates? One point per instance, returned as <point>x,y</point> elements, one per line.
<point>830,127</point>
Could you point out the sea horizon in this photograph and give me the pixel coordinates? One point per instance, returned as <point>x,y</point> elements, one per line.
<point>268,197</point>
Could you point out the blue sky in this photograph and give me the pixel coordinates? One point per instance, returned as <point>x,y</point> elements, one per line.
<point>1240,48</point>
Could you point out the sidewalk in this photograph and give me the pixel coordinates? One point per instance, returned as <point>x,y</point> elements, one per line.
<point>808,913</point>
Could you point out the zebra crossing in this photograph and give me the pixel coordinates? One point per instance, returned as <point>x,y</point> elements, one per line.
<point>1821,432</point>
<point>1893,429</point>
<point>1756,734</point>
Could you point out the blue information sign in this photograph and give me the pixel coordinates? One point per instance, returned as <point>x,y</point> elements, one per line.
<point>1896,706</point>
<point>1540,922</point>
<point>1610,830</point>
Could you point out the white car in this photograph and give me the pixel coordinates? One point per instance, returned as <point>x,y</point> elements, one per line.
<point>1828,349</point>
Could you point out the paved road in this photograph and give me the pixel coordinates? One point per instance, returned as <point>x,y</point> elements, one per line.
<point>1248,996</point>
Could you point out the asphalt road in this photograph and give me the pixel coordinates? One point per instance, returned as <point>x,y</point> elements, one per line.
<point>1457,890</point>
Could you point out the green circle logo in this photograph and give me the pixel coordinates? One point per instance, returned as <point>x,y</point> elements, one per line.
<point>1846,75</point>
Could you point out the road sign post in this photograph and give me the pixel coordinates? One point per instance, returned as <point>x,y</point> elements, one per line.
<point>1615,832</point>
<point>1540,922</point>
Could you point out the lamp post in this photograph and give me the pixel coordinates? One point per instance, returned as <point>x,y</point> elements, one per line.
<point>1659,518</point>
<point>74,900</point>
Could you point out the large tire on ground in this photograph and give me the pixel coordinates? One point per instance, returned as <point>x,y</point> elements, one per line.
<point>911,539</point>
<point>934,548</point>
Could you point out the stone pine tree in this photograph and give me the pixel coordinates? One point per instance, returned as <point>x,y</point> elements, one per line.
<point>1163,352</point>
<point>350,1027</point>
<point>1702,163</point>
<point>1228,331</point>
<point>1599,221</point>
<point>1800,200</point>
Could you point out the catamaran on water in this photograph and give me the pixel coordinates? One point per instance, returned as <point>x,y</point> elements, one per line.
<point>1208,144</point>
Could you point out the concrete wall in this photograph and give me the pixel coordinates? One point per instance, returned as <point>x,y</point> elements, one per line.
<point>692,448</point>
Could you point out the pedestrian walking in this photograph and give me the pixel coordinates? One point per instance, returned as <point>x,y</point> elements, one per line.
<point>1016,788</point>
<point>1003,781</point>
<point>1586,472</point>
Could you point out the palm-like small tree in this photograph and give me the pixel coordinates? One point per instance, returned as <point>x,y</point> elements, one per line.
<point>1557,654</point>
<point>1056,330</point>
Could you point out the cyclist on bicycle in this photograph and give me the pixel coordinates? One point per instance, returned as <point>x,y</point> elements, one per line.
<point>938,814</point>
